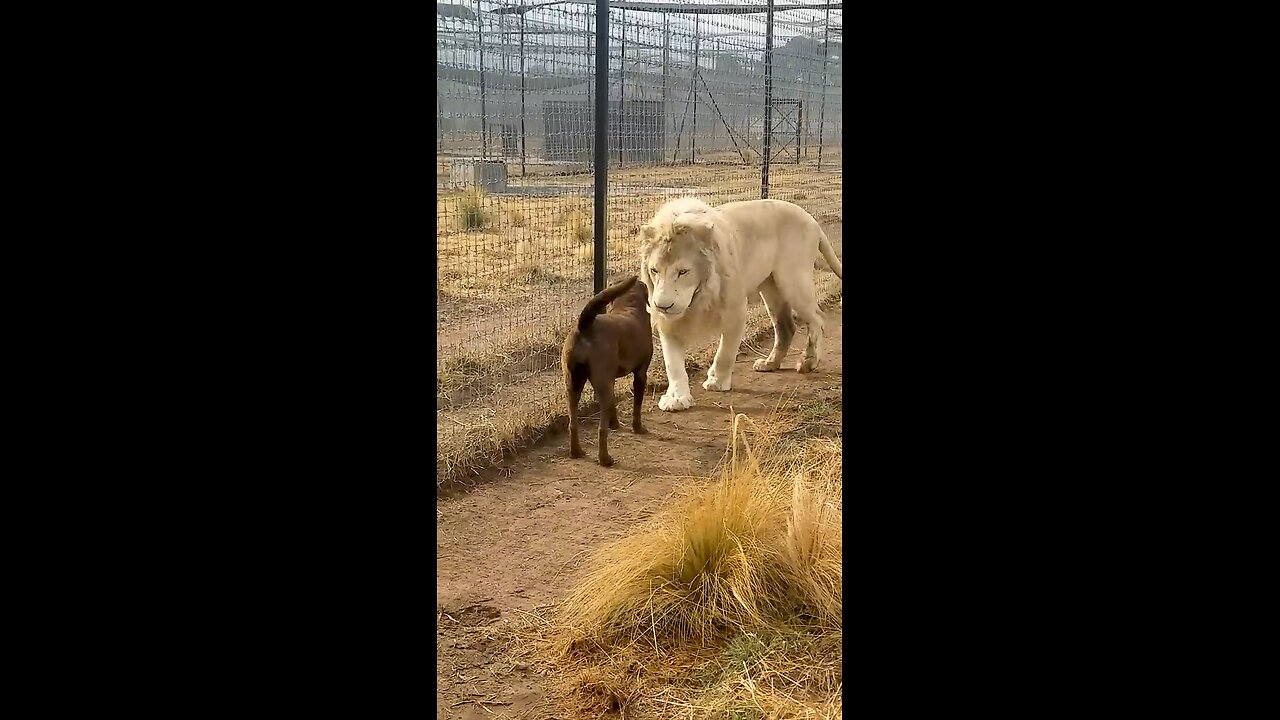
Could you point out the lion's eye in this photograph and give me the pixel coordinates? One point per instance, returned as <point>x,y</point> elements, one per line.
<point>653,270</point>
<point>683,272</point>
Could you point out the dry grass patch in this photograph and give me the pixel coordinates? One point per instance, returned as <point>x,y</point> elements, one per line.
<point>484,440</point>
<point>465,371</point>
<point>728,603</point>
<point>621,252</point>
<point>524,263</point>
<point>579,224</point>
<point>472,213</point>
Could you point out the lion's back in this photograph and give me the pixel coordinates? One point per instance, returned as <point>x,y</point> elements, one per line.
<point>771,234</point>
<point>774,214</point>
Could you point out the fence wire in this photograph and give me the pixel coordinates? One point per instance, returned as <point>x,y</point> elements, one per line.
<point>697,104</point>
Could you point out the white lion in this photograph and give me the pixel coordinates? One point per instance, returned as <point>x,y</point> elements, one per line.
<point>700,264</point>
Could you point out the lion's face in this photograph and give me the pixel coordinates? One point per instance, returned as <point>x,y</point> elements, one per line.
<point>676,263</point>
<point>673,277</point>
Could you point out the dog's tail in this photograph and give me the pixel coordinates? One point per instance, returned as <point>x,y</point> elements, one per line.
<point>829,254</point>
<point>597,304</point>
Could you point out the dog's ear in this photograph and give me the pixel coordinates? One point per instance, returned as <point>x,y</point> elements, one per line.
<point>697,224</point>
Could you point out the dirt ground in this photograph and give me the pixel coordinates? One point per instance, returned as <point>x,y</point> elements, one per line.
<point>514,543</point>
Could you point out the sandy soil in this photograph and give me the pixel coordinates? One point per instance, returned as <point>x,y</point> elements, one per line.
<point>515,542</point>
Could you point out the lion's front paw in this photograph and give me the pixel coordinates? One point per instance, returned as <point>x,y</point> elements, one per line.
<point>675,403</point>
<point>718,385</point>
<point>763,365</point>
<point>807,365</point>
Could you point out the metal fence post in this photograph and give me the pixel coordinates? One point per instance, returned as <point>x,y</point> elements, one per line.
<point>522,90</point>
<point>799,122</point>
<point>697,70</point>
<point>484,124</point>
<point>666,57</point>
<point>602,138</point>
<point>768,102</point>
<point>622,85</point>
<point>822,110</point>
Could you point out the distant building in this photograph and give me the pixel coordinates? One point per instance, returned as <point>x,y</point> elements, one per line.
<point>454,11</point>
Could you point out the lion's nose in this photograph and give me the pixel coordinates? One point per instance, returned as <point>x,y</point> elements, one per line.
<point>664,309</point>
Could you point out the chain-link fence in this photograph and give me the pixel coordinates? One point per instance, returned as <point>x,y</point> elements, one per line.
<point>692,88</point>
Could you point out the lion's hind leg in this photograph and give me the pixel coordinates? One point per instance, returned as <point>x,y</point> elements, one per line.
<point>812,348</point>
<point>784,327</point>
<point>800,292</point>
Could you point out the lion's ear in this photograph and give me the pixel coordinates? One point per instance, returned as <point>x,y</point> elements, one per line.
<point>648,232</point>
<point>694,223</point>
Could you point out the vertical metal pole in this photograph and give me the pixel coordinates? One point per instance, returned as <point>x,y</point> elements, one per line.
<point>822,110</point>
<point>591,90</point>
<point>768,101</point>
<point>622,85</point>
<point>591,86</point>
<point>602,137</point>
<point>484,124</point>
<point>522,86</point>
<point>799,123</point>
<point>697,68</point>
<point>666,56</point>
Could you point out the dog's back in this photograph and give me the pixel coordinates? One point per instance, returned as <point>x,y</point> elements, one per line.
<point>617,331</point>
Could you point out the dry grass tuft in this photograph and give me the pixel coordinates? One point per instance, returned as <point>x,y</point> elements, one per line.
<point>471,210</point>
<point>728,604</point>
<point>485,441</point>
<point>811,550</point>
<point>523,264</point>
<point>517,217</point>
<point>594,692</point>
<point>580,226</point>
<point>691,578</point>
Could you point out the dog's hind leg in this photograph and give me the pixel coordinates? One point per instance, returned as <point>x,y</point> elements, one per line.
<point>784,327</point>
<point>574,380</point>
<point>602,383</point>
<point>638,383</point>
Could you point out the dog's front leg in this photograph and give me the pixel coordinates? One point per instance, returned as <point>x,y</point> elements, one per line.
<point>720,376</point>
<point>677,396</point>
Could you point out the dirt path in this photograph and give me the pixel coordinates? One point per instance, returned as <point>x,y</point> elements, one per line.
<point>516,542</point>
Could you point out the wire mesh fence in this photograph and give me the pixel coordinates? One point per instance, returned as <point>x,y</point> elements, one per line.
<point>726,102</point>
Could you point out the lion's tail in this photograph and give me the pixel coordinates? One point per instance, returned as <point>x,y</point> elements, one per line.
<point>829,254</point>
<point>597,304</point>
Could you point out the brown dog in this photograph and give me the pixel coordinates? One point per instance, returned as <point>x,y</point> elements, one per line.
<point>602,349</point>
